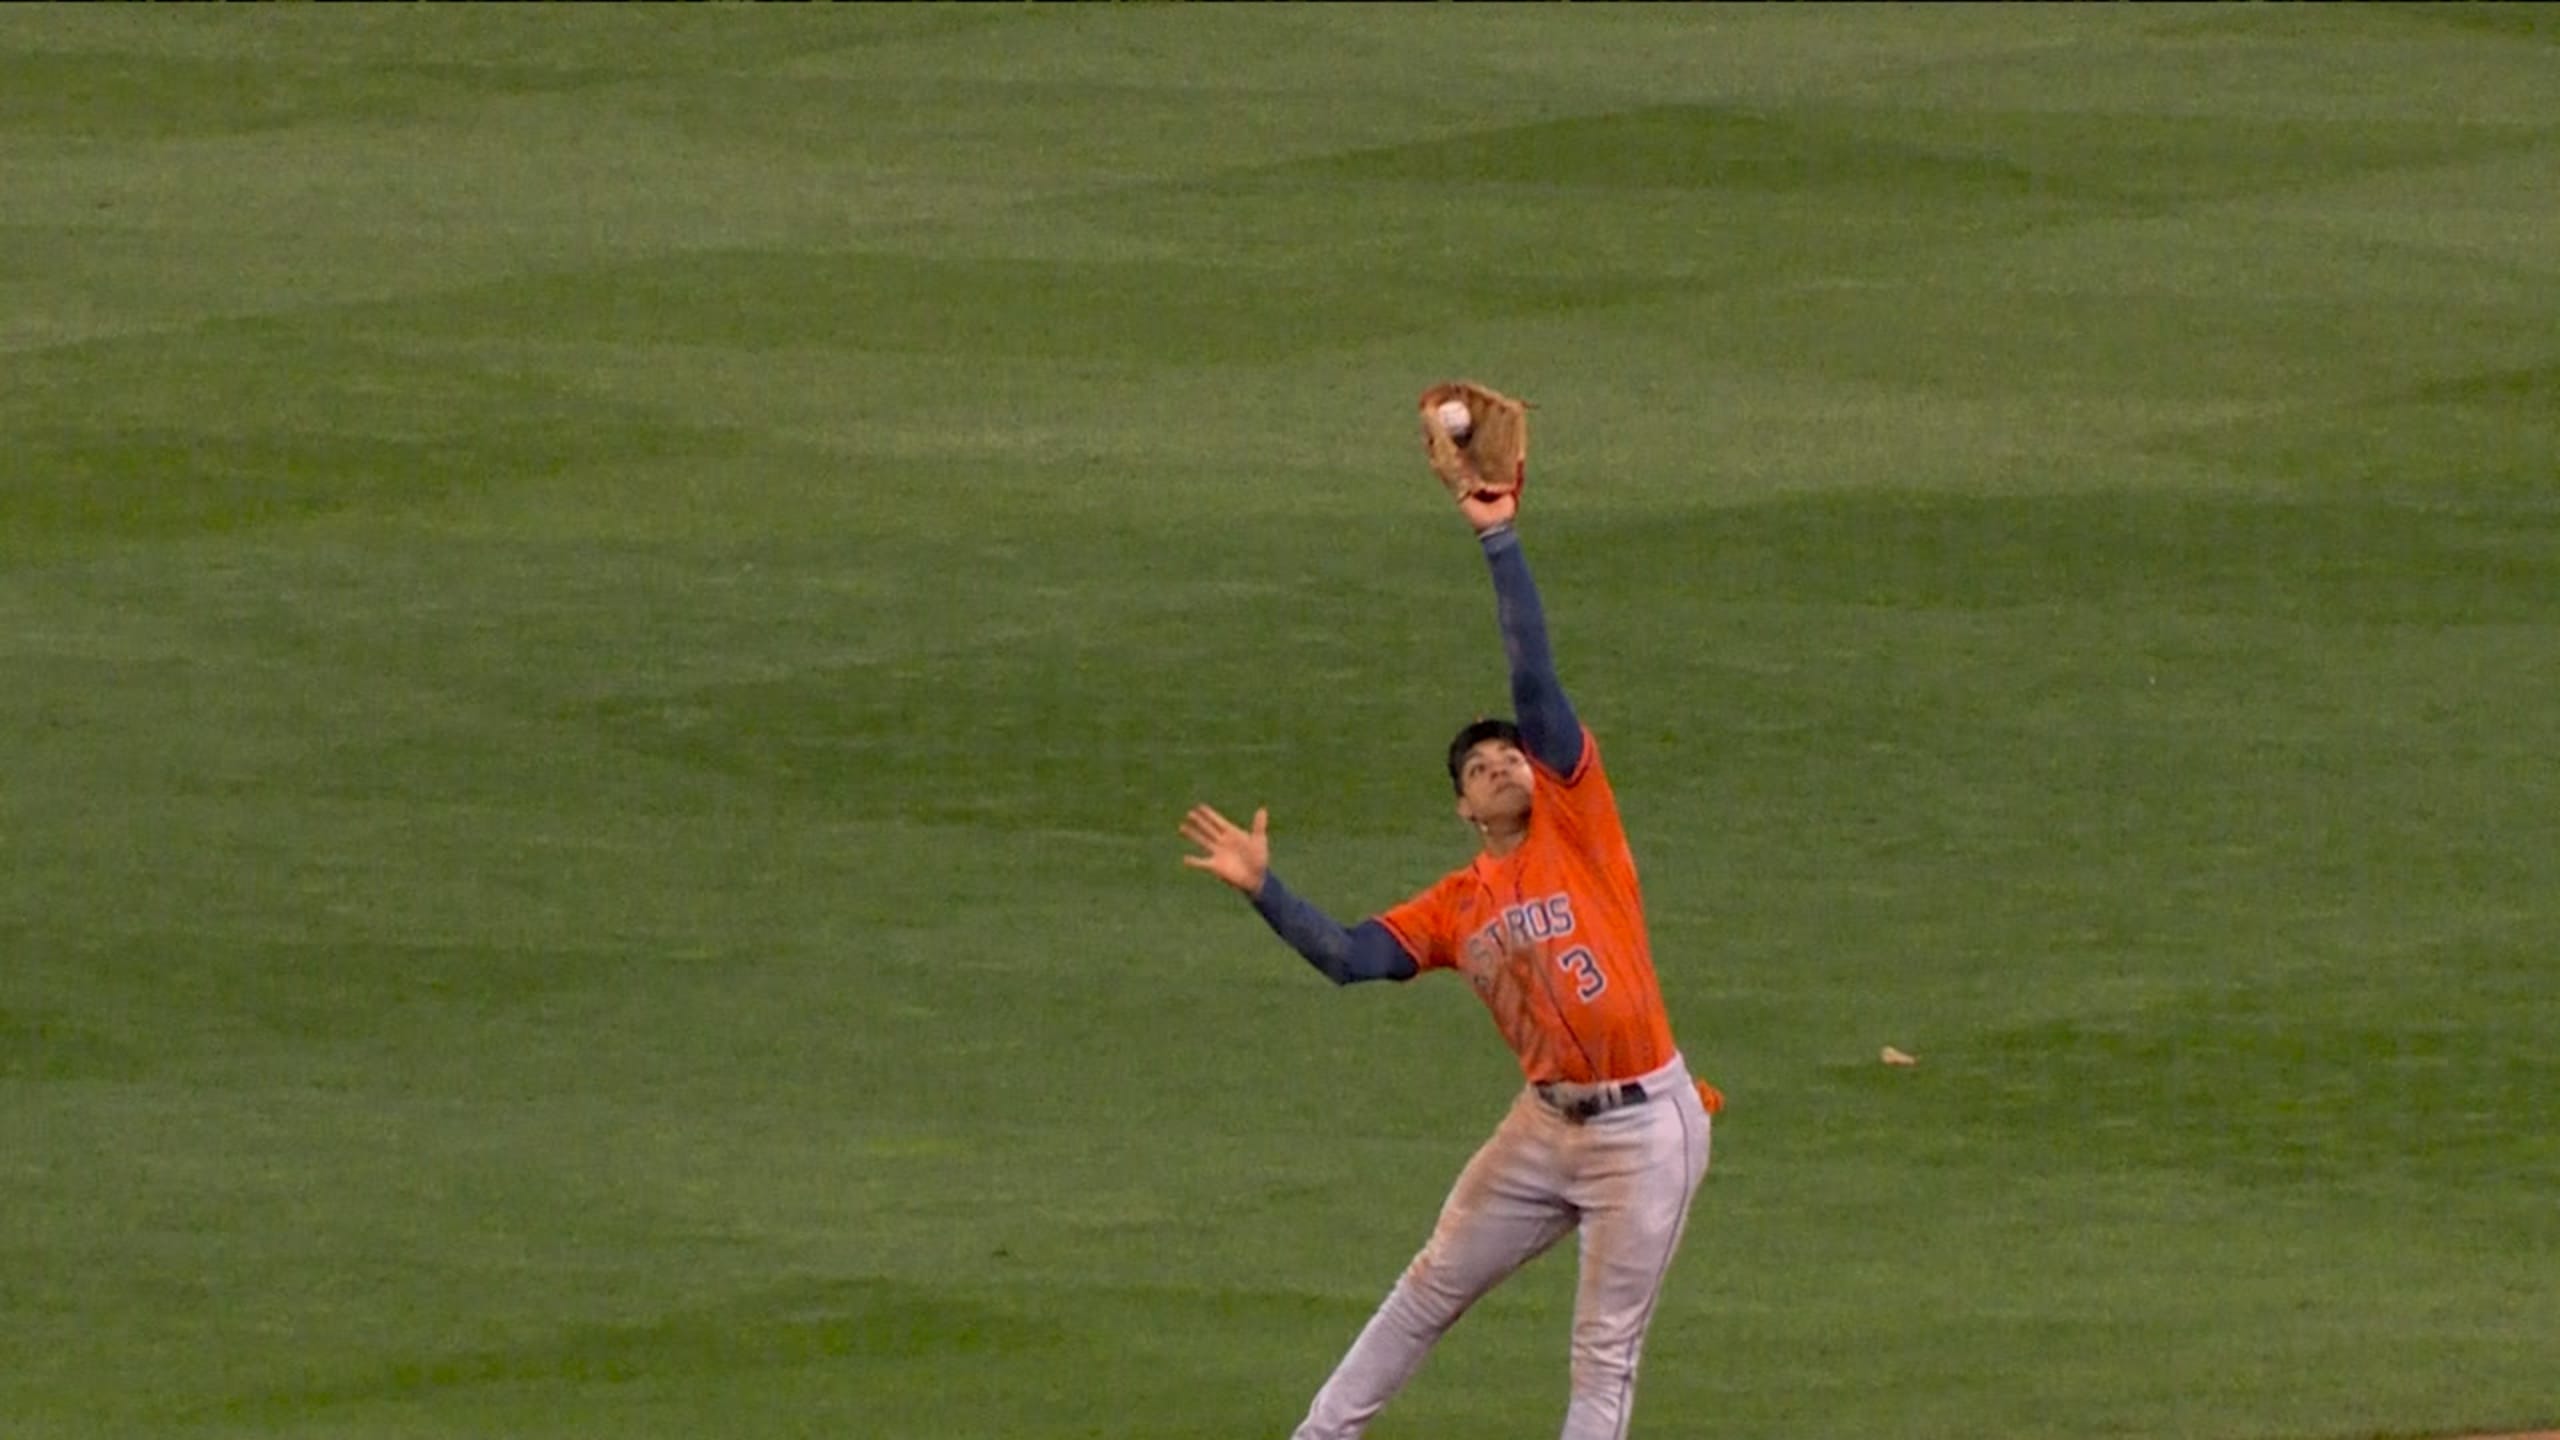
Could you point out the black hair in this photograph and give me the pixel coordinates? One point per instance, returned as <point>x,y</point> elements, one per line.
<point>1474,735</point>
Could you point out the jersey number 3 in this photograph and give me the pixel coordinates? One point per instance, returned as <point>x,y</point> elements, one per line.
<point>1588,982</point>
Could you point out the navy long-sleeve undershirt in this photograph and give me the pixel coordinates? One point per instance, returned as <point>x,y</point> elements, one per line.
<point>1366,951</point>
<point>1548,727</point>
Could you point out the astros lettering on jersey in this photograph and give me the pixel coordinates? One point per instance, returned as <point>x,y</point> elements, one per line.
<point>1552,935</point>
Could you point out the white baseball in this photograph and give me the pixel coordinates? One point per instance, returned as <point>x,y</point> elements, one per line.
<point>1455,419</point>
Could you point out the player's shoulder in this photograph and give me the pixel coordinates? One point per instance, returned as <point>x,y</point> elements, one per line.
<point>1586,765</point>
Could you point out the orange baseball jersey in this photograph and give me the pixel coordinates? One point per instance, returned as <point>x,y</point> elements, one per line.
<point>1552,936</point>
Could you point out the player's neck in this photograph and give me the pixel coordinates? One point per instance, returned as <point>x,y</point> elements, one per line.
<point>1501,840</point>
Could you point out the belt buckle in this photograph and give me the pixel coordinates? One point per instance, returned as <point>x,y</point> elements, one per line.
<point>1597,1103</point>
<point>1616,1097</point>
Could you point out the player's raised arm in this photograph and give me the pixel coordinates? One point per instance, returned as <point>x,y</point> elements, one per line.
<point>1242,858</point>
<point>1477,441</point>
<point>1548,727</point>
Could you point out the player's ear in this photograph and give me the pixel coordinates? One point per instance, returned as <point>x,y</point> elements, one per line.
<point>1467,813</point>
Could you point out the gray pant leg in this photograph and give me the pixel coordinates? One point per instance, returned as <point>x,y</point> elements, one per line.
<point>1635,1200</point>
<point>1504,1211</point>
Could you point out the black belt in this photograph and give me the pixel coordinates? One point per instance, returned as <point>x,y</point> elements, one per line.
<point>1590,1104</point>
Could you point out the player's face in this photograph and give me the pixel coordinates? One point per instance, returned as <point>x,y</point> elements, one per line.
<point>1494,782</point>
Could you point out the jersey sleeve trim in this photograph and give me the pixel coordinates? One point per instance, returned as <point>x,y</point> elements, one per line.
<point>1415,947</point>
<point>1582,766</point>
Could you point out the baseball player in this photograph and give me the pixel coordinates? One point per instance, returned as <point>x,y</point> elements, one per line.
<point>1610,1135</point>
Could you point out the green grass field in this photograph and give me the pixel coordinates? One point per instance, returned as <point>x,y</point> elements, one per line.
<point>605,617</point>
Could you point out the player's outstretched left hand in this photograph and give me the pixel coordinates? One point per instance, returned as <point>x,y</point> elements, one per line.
<point>1234,854</point>
<point>1486,511</point>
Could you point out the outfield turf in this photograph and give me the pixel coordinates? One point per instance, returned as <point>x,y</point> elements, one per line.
<point>605,617</point>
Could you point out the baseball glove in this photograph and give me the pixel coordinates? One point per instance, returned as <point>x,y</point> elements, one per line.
<point>1490,457</point>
